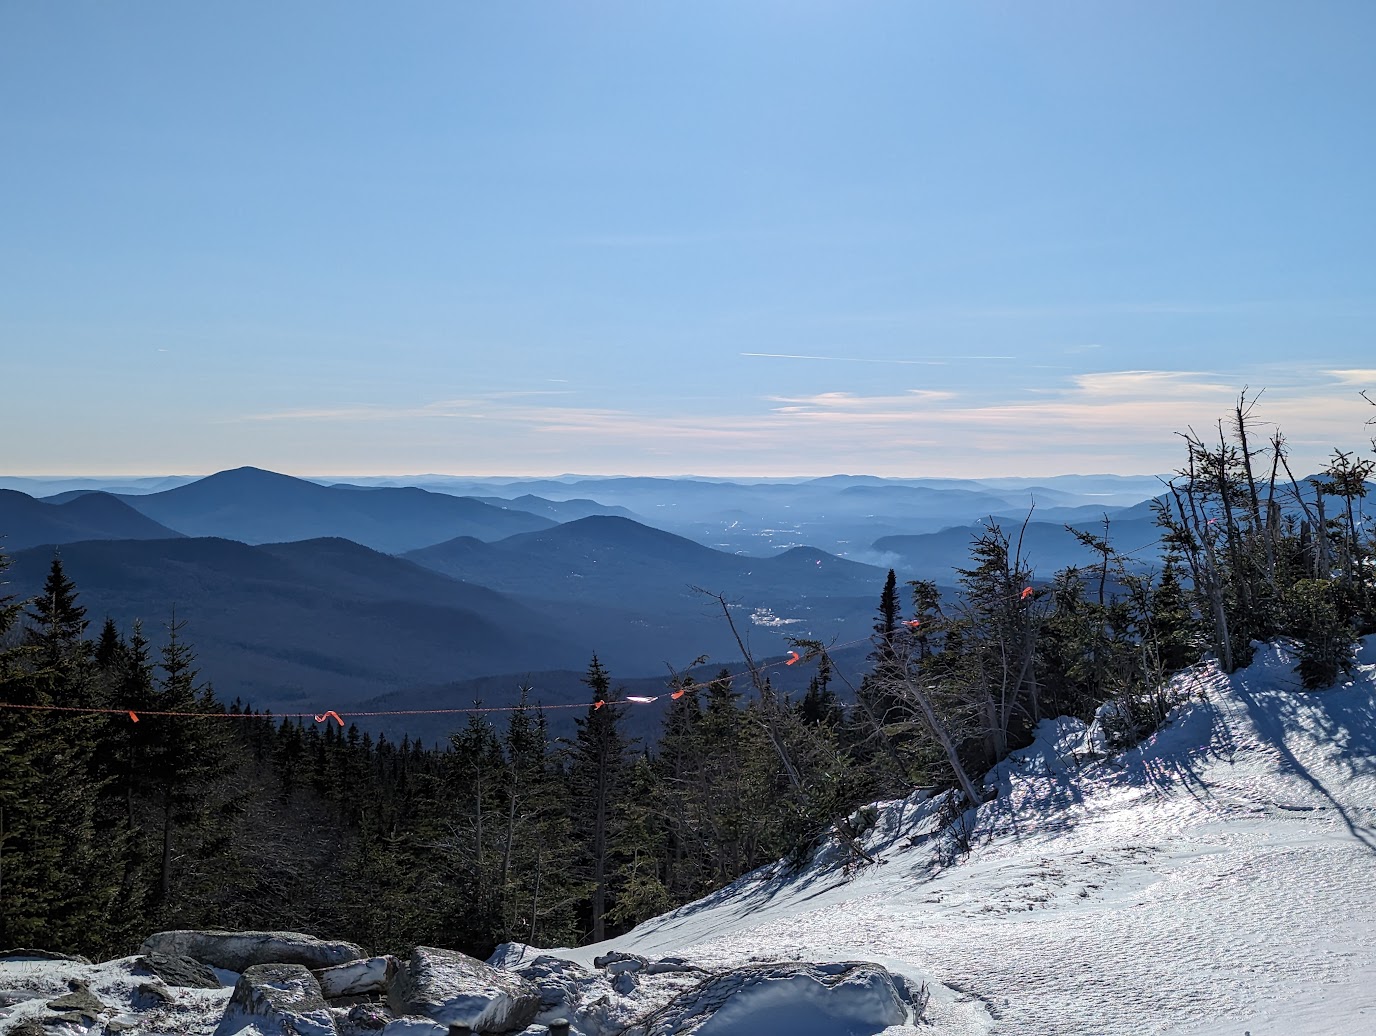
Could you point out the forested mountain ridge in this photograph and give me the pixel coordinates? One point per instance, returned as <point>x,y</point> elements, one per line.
<point>26,522</point>
<point>308,622</point>
<point>257,506</point>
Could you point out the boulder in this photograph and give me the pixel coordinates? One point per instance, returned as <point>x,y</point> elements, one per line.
<point>673,966</point>
<point>281,998</point>
<point>177,971</point>
<point>365,1020</point>
<point>556,980</point>
<point>357,978</point>
<point>149,996</point>
<point>79,1004</point>
<point>618,963</point>
<point>844,997</point>
<point>450,987</point>
<point>235,951</point>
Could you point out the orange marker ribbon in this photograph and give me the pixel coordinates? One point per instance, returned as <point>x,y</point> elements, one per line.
<point>133,715</point>
<point>597,705</point>
<point>679,694</point>
<point>321,719</point>
<point>1026,593</point>
<point>914,623</point>
<point>796,657</point>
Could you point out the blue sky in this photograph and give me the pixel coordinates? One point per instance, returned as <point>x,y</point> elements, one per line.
<point>722,238</point>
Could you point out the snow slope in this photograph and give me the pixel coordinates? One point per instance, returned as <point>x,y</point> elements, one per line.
<point>1218,878</point>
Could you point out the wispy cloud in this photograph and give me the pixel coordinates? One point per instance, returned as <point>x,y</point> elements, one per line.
<point>1362,377</point>
<point>464,407</point>
<point>847,403</point>
<point>1106,420</point>
<point>925,362</point>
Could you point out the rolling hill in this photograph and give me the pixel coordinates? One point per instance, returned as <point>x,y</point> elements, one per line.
<point>26,522</point>
<point>256,506</point>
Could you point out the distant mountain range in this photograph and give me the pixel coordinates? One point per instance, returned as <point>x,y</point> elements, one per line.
<point>256,506</point>
<point>302,595</point>
<point>841,514</point>
<point>26,522</point>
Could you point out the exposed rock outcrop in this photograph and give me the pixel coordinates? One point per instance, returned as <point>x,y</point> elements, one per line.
<point>451,987</point>
<point>357,978</point>
<point>177,971</point>
<point>276,998</point>
<point>235,951</point>
<point>783,998</point>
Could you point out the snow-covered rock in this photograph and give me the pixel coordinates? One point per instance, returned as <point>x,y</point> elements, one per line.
<point>236,951</point>
<point>357,978</point>
<point>451,987</point>
<point>618,963</point>
<point>798,999</point>
<point>277,998</point>
<point>557,981</point>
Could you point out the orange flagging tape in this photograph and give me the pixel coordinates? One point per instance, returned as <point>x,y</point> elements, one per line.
<point>322,719</point>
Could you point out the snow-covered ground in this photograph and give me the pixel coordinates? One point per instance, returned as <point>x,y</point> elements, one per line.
<point>1218,878</point>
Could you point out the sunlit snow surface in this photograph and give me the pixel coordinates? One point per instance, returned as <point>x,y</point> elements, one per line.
<point>1219,878</point>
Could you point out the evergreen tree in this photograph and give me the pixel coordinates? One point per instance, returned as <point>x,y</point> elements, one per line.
<point>597,783</point>
<point>58,624</point>
<point>186,751</point>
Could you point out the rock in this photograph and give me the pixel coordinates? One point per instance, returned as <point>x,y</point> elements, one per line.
<point>616,962</point>
<point>624,982</point>
<point>451,987</point>
<point>509,955</point>
<point>24,954</point>
<point>236,951</point>
<point>152,995</point>
<point>785,998</point>
<point>357,978</point>
<point>673,966</point>
<point>366,1018</point>
<point>284,996</point>
<point>29,1027</point>
<point>178,971</point>
<point>558,981</point>
<point>79,1003</point>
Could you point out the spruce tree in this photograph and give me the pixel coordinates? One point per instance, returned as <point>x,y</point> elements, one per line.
<point>597,779</point>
